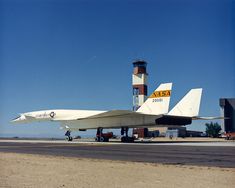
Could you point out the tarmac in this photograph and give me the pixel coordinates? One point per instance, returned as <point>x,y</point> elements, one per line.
<point>211,154</point>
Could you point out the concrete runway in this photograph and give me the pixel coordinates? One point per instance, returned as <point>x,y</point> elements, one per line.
<point>201,154</point>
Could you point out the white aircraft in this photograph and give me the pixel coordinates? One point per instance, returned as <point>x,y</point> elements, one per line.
<point>154,112</point>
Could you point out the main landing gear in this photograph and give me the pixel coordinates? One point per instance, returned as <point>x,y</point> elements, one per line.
<point>68,134</point>
<point>103,137</point>
<point>126,138</point>
<point>99,137</point>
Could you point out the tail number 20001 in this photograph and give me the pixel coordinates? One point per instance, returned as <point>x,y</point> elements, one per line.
<point>157,100</point>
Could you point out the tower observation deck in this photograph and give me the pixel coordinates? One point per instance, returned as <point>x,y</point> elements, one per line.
<point>139,83</point>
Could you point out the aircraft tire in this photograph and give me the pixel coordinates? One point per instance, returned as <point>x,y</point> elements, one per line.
<point>102,139</point>
<point>127,139</point>
<point>123,139</point>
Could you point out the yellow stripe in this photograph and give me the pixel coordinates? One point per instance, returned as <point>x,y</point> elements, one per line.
<point>163,93</point>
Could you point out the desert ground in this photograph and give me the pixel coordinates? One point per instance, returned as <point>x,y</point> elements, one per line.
<point>27,170</point>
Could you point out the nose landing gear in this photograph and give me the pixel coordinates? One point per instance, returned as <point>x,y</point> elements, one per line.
<point>68,134</point>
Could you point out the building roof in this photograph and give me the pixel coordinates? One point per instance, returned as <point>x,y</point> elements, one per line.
<point>140,63</point>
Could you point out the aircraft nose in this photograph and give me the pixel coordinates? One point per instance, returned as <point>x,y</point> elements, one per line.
<point>18,119</point>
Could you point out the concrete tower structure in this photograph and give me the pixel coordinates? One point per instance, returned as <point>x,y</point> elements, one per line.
<point>139,83</point>
<point>140,91</point>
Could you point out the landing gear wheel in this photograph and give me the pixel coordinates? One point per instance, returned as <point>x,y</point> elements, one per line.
<point>123,139</point>
<point>106,139</point>
<point>126,138</point>
<point>68,134</point>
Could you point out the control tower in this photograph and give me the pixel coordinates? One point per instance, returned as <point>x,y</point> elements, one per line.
<point>140,91</point>
<point>139,83</point>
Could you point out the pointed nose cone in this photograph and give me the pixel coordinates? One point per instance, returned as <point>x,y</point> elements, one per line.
<point>18,119</point>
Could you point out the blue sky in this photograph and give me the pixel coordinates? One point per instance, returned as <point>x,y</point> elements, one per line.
<point>78,54</point>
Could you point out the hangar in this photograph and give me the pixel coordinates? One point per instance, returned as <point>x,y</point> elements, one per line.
<point>228,109</point>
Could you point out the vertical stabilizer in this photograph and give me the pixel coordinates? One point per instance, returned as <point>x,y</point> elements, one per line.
<point>158,101</point>
<point>189,105</point>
